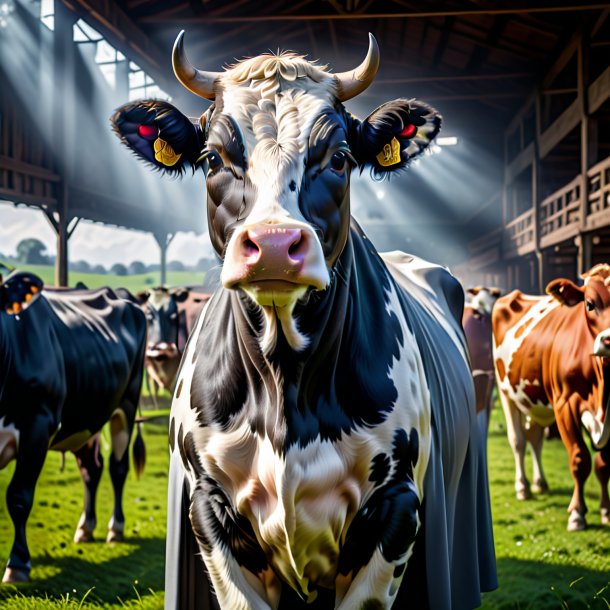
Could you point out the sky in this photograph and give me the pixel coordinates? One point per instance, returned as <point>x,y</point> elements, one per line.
<point>95,243</point>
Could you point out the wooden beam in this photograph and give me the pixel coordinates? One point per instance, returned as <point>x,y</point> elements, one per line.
<point>559,129</point>
<point>599,91</point>
<point>398,15</point>
<point>126,36</point>
<point>455,78</point>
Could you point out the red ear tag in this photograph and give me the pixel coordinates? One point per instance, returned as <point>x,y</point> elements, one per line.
<point>408,132</point>
<point>148,132</point>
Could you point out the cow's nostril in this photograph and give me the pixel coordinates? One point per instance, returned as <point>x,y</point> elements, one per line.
<point>606,341</point>
<point>250,247</point>
<point>294,247</point>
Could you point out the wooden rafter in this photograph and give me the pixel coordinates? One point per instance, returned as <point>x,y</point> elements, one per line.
<point>253,18</point>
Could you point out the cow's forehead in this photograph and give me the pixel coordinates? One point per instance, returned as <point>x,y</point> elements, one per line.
<point>159,298</point>
<point>598,287</point>
<point>275,100</point>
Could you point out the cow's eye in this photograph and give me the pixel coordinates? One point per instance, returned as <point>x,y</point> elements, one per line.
<point>590,305</point>
<point>214,161</point>
<point>338,162</point>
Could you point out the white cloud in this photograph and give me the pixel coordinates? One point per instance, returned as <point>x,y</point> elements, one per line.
<point>96,243</point>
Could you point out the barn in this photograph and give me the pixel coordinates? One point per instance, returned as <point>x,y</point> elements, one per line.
<point>513,193</point>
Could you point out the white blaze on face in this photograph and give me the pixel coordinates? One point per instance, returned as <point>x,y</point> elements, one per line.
<point>276,100</point>
<point>483,301</point>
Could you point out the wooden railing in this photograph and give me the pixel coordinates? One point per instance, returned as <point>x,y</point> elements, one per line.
<point>598,201</point>
<point>519,235</point>
<point>560,214</point>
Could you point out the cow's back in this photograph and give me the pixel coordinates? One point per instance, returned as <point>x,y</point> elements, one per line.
<point>74,353</point>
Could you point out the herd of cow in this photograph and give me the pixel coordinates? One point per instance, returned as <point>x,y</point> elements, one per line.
<point>331,404</point>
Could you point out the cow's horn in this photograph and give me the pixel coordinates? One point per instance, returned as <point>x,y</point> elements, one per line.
<point>197,81</point>
<point>350,84</point>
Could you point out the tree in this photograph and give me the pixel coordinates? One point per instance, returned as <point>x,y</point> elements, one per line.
<point>136,268</point>
<point>100,269</point>
<point>204,264</point>
<point>80,267</point>
<point>175,266</point>
<point>32,251</point>
<point>118,269</point>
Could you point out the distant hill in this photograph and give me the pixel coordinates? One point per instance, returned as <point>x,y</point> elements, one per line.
<point>133,283</point>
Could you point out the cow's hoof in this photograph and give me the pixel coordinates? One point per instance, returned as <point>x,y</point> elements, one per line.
<point>83,535</point>
<point>540,487</point>
<point>524,494</point>
<point>115,536</point>
<point>576,522</point>
<point>14,575</point>
<point>605,516</point>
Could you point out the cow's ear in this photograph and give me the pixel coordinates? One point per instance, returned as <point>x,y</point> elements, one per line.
<point>474,290</point>
<point>394,134</point>
<point>180,294</point>
<point>143,296</point>
<point>159,134</point>
<point>495,292</point>
<point>19,291</point>
<point>566,292</point>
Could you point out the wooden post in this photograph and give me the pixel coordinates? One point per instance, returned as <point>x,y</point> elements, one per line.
<point>584,241</point>
<point>63,100</point>
<point>163,239</point>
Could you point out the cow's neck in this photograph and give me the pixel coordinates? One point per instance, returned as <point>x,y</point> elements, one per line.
<point>341,380</point>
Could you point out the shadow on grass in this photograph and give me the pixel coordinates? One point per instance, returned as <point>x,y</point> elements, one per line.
<point>532,585</point>
<point>139,570</point>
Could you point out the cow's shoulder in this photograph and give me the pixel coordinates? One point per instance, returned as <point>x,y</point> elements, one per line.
<point>514,308</point>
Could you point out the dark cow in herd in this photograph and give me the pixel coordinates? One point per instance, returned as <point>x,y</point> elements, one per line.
<point>324,447</point>
<point>476,321</point>
<point>171,314</point>
<point>70,361</point>
<point>552,358</point>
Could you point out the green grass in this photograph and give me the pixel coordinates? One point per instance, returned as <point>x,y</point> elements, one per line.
<point>133,283</point>
<point>540,565</point>
<point>129,574</point>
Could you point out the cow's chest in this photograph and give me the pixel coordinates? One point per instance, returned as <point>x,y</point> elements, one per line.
<point>300,504</point>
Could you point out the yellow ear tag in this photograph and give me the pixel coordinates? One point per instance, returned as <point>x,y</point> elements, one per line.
<point>390,155</point>
<point>165,154</point>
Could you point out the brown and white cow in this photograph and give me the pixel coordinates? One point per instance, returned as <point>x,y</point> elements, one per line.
<point>552,359</point>
<point>476,321</point>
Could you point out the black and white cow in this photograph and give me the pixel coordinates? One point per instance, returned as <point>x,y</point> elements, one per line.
<point>167,335</point>
<point>70,361</point>
<point>323,433</point>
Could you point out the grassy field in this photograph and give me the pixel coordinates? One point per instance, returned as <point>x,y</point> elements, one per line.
<point>541,566</point>
<point>133,283</point>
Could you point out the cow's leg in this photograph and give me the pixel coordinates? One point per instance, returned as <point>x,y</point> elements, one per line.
<point>153,388</point>
<point>378,544</point>
<point>580,462</point>
<point>222,533</point>
<point>515,430</point>
<point>535,437</point>
<point>33,445</point>
<point>602,471</point>
<point>91,465</point>
<point>119,467</point>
